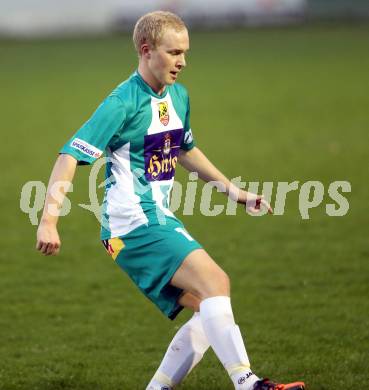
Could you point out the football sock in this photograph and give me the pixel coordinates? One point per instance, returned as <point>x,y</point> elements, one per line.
<point>184,352</point>
<point>225,338</point>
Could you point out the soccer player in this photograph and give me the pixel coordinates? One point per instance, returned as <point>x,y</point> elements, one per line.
<point>144,128</point>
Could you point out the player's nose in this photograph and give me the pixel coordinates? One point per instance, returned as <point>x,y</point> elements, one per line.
<point>181,61</point>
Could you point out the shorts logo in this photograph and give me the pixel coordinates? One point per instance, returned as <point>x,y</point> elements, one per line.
<point>113,246</point>
<point>161,154</point>
<point>188,138</point>
<point>86,148</point>
<point>163,113</point>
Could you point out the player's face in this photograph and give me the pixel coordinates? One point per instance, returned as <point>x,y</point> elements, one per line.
<point>168,59</point>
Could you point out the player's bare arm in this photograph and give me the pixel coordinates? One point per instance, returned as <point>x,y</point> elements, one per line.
<point>195,160</point>
<point>48,241</point>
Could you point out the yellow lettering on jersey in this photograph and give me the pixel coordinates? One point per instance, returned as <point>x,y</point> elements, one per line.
<point>166,165</point>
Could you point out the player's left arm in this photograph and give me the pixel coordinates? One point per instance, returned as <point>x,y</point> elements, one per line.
<point>194,160</point>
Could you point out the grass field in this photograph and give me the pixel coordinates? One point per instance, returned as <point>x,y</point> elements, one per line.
<point>269,105</point>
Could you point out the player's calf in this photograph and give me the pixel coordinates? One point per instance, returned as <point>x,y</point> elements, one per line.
<point>184,352</point>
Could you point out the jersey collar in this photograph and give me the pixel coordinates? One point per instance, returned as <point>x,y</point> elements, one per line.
<point>146,87</point>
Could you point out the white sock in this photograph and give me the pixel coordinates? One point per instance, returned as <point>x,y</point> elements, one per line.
<point>184,352</point>
<point>225,338</point>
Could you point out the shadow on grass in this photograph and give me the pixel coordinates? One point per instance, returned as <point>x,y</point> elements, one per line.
<point>65,384</point>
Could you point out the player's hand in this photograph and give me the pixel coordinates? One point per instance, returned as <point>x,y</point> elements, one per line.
<point>48,242</point>
<point>254,203</point>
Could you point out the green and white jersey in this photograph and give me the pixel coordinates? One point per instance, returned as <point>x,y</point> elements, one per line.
<point>142,134</point>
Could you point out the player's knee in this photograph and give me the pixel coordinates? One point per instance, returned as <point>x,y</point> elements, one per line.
<point>225,283</point>
<point>218,284</point>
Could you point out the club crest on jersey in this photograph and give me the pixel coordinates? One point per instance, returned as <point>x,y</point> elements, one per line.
<point>161,154</point>
<point>163,113</point>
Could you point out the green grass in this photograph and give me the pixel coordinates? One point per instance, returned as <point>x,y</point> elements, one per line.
<point>269,105</point>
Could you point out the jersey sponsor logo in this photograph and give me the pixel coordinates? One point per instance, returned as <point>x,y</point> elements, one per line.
<point>188,138</point>
<point>161,154</point>
<point>86,148</point>
<point>163,113</point>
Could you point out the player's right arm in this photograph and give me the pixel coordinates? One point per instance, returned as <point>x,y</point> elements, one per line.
<point>85,147</point>
<point>48,241</point>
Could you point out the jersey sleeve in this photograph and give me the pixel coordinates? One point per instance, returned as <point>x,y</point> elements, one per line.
<point>188,142</point>
<point>90,141</point>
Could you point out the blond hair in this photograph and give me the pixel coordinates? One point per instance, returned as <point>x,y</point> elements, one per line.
<point>151,27</point>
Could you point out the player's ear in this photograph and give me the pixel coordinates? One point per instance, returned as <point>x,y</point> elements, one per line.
<point>145,50</point>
